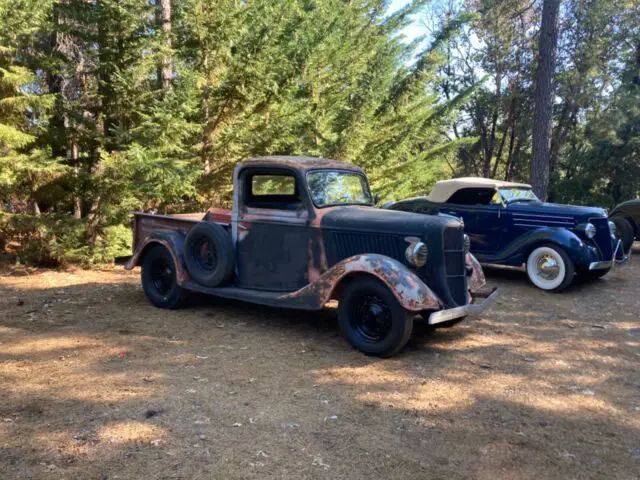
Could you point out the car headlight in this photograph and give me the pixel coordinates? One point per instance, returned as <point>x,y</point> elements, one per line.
<point>612,228</point>
<point>467,243</point>
<point>586,229</point>
<point>416,254</point>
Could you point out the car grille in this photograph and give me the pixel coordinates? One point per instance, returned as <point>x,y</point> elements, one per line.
<point>603,237</point>
<point>454,263</point>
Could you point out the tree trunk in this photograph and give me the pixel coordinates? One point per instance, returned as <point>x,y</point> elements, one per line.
<point>165,68</point>
<point>543,114</point>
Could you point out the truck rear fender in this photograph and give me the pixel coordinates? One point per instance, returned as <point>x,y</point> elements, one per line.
<point>172,241</point>
<point>408,289</point>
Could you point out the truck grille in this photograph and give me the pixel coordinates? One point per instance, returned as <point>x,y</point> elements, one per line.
<point>349,244</point>
<point>454,263</point>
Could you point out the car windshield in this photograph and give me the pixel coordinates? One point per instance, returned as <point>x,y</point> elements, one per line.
<point>338,187</point>
<point>513,194</point>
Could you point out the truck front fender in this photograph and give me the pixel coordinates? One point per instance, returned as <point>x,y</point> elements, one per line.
<point>173,242</point>
<point>477,280</point>
<point>409,290</point>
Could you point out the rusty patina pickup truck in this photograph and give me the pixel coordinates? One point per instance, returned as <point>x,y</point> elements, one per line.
<point>304,231</point>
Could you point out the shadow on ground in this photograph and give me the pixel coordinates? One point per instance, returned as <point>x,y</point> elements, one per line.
<point>98,384</point>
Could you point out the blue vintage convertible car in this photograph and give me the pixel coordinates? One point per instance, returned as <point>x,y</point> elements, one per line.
<point>508,225</point>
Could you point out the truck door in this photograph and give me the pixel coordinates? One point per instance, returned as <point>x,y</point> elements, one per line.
<point>272,250</point>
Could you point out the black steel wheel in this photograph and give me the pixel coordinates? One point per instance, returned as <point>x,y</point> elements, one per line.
<point>159,280</point>
<point>371,318</point>
<point>209,254</point>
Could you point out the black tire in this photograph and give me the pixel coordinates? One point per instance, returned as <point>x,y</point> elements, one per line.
<point>624,231</point>
<point>569,268</point>
<point>159,280</point>
<point>372,320</point>
<point>209,254</point>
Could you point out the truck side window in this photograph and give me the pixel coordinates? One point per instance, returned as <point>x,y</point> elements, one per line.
<point>472,196</point>
<point>279,192</point>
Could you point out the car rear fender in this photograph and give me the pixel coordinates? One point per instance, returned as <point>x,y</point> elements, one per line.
<point>172,241</point>
<point>409,290</point>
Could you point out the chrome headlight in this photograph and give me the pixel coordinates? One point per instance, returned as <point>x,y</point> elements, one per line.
<point>590,230</point>
<point>612,228</point>
<point>467,243</point>
<point>416,254</point>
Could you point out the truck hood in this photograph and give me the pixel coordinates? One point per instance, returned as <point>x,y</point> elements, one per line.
<point>378,220</point>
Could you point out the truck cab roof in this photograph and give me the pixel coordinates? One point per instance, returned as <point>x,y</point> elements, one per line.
<point>299,163</point>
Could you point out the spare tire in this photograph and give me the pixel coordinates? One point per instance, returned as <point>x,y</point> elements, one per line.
<point>209,254</point>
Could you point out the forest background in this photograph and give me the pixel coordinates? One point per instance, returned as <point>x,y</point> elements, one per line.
<point>111,106</point>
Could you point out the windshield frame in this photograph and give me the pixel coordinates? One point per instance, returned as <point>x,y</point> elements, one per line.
<point>341,170</point>
<point>514,200</point>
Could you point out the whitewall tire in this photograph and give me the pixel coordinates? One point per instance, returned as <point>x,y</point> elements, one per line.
<point>550,268</point>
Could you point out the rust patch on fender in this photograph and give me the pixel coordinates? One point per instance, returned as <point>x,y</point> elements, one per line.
<point>477,280</point>
<point>408,289</point>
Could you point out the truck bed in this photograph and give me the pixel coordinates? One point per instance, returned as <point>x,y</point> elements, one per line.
<point>146,223</point>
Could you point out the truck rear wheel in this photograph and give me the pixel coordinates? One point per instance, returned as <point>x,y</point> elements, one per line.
<point>159,280</point>
<point>372,320</point>
<point>209,254</point>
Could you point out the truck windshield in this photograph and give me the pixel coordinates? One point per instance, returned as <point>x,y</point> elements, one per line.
<point>512,194</point>
<point>338,187</point>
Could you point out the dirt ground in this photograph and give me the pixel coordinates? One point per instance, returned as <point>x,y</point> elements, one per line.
<point>98,384</point>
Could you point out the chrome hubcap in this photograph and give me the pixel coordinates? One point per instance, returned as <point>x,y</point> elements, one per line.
<point>548,267</point>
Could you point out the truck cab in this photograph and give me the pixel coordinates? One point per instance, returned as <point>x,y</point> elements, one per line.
<point>303,231</point>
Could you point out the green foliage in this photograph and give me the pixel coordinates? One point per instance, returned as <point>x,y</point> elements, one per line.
<point>593,157</point>
<point>59,239</point>
<point>89,131</point>
<point>46,240</point>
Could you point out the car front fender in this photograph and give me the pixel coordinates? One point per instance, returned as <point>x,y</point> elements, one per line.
<point>173,242</point>
<point>409,290</point>
<point>579,252</point>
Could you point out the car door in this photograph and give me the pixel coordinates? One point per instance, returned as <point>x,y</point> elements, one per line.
<point>488,230</point>
<point>482,213</point>
<point>272,251</point>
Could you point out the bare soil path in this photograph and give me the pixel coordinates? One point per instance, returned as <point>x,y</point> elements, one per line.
<point>95,383</point>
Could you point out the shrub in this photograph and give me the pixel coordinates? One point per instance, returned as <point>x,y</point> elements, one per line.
<point>55,240</point>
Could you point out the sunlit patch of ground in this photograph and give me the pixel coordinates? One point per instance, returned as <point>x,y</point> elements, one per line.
<point>96,383</point>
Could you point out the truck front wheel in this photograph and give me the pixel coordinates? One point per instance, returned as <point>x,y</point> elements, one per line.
<point>372,320</point>
<point>159,280</point>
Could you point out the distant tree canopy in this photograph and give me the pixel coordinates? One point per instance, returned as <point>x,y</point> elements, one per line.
<point>110,106</point>
<point>595,155</point>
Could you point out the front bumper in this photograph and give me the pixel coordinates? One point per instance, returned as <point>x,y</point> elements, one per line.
<point>618,258</point>
<point>461,312</point>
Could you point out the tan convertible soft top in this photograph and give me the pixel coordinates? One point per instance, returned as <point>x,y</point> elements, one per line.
<point>443,189</point>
